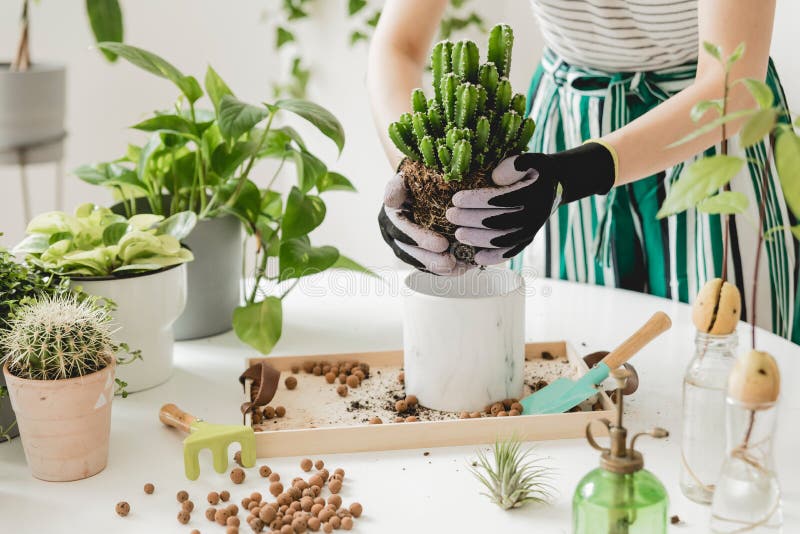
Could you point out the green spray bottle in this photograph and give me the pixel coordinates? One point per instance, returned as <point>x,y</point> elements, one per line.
<point>620,497</point>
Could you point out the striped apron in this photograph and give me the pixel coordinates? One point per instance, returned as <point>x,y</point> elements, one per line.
<point>616,240</point>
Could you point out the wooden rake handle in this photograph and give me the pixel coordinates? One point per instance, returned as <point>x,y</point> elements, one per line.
<point>171,415</point>
<point>654,327</point>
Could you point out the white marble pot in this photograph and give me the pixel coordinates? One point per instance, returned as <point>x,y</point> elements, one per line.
<point>32,106</point>
<point>464,338</point>
<point>147,306</point>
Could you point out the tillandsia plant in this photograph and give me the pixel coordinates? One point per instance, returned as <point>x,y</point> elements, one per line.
<point>512,479</point>
<point>105,18</point>
<point>57,337</point>
<point>98,242</point>
<point>473,120</point>
<point>202,160</point>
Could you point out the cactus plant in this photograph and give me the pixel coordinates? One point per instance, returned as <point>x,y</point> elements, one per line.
<point>58,337</point>
<point>472,121</point>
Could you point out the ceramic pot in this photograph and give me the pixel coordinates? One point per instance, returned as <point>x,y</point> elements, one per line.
<point>32,106</point>
<point>147,306</point>
<point>8,429</point>
<point>213,278</point>
<point>464,338</point>
<point>65,424</point>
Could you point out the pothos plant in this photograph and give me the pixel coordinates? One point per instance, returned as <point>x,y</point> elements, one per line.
<point>105,18</point>
<point>203,159</point>
<point>705,184</point>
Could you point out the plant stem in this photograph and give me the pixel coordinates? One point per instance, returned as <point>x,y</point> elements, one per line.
<point>243,177</point>
<point>297,281</point>
<point>760,243</point>
<point>22,59</point>
<point>727,187</point>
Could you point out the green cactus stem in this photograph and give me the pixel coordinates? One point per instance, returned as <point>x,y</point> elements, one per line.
<point>462,157</point>
<point>418,101</point>
<point>440,65</point>
<point>444,157</point>
<point>466,104</point>
<point>435,119</point>
<point>489,78</point>
<point>426,148</point>
<point>518,104</point>
<point>449,85</point>
<point>466,60</point>
<point>501,41</point>
<point>525,135</point>
<point>399,139</point>
<point>419,123</point>
<point>509,126</point>
<point>482,135</point>
<point>502,97</point>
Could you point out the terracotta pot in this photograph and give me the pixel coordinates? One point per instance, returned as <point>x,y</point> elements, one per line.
<point>64,424</point>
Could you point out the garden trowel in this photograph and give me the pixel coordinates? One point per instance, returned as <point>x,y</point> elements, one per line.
<point>204,435</point>
<point>564,393</point>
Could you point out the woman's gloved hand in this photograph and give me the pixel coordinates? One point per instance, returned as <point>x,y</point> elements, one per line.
<point>504,220</point>
<point>415,245</point>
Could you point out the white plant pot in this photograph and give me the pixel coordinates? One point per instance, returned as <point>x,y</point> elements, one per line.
<point>147,306</point>
<point>32,106</point>
<point>464,338</point>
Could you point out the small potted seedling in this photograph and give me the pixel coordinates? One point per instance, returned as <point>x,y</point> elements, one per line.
<point>463,338</point>
<point>59,361</point>
<point>137,263</point>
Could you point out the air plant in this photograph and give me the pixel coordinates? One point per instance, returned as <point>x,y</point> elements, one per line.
<point>513,479</point>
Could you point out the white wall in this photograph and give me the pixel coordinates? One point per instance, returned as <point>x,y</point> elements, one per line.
<point>104,99</point>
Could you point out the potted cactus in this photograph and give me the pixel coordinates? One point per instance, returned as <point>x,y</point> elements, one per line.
<point>453,139</point>
<point>137,263</point>
<point>59,361</point>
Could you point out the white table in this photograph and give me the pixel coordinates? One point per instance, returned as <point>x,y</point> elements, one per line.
<point>402,491</point>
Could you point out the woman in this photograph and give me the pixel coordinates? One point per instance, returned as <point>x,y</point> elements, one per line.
<point>624,75</point>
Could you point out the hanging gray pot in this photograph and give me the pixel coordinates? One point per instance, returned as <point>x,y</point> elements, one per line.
<point>213,278</point>
<point>7,417</point>
<point>32,105</point>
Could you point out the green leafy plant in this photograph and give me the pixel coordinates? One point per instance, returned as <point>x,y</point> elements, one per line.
<point>202,161</point>
<point>98,242</point>
<point>705,184</point>
<point>473,120</point>
<point>57,337</point>
<point>105,18</point>
<point>19,285</point>
<point>511,478</point>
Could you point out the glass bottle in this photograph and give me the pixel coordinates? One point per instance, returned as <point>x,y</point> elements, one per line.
<point>620,497</point>
<point>703,437</point>
<point>747,498</point>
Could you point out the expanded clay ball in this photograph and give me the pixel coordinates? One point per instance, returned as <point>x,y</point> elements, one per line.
<point>233,521</point>
<point>182,496</point>
<point>317,370</point>
<point>347,523</point>
<point>287,529</point>
<point>514,413</point>
<point>294,492</point>
<point>353,381</point>
<point>232,509</point>
<point>295,369</point>
<point>356,509</point>
<point>342,378</point>
<point>319,464</point>
<point>299,524</point>
<point>149,488</point>
<point>274,477</point>
<point>280,411</point>
<point>339,471</point>
<point>122,508</point>
<point>213,498</point>
<point>183,517</point>
<point>401,377</point>
<point>256,496</point>
<point>291,382</point>
<point>264,471</point>
<point>475,415</point>
<point>314,524</point>
<point>411,419</point>
<point>517,406</point>
<point>327,528</point>
<point>187,506</point>
<point>399,420</point>
<point>335,500</point>
<point>316,480</point>
<point>232,530</point>
<point>237,476</point>
<point>376,421</point>
<point>267,514</point>
<point>401,406</point>
<point>224,495</point>
<point>211,513</point>
<point>412,400</point>
<point>269,413</point>
<point>276,488</point>
<point>463,415</point>
<point>237,457</point>
<point>496,408</point>
<point>342,390</point>
<point>330,378</point>
<point>194,531</point>
<point>306,464</point>
<point>221,516</point>
<point>335,522</point>
<point>502,413</point>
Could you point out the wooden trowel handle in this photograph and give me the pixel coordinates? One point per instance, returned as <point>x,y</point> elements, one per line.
<point>654,327</point>
<point>171,415</point>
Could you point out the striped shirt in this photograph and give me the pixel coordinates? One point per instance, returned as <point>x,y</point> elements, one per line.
<point>620,35</point>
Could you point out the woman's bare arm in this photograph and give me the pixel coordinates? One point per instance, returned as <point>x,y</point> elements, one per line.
<point>397,57</point>
<point>641,145</point>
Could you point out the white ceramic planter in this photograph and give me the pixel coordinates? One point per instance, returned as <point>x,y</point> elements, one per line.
<point>32,105</point>
<point>464,338</point>
<point>147,306</point>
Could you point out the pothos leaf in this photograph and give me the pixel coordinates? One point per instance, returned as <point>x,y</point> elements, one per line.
<point>354,6</point>
<point>259,324</point>
<point>105,18</point>
<point>298,258</point>
<point>333,181</point>
<point>349,264</point>
<point>236,117</point>
<point>283,36</point>
<point>317,115</point>
<point>303,213</point>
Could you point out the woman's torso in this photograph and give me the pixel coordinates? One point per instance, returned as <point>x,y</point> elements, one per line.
<point>620,35</point>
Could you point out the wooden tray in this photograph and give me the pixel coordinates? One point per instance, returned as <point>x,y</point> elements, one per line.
<point>388,436</point>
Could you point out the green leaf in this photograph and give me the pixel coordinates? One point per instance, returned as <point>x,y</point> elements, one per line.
<point>787,162</point>
<point>298,258</point>
<point>727,202</point>
<point>178,225</point>
<point>373,20</point>
<point>114,232</point>
<point>735,56</point>
<point>713,50</point>
<point>701,107</point>
<point>216,87</point>
<point>259,323</point>
<point>796,231</point>
<point>757,127</point>
<point>351,265</point>
<point>713,125</point>
<point>282,36</point>
<point>356,36</point>
<point>303,213</point>
<point>309,169</point>
<point>168,123</point>
<point>354,6</point>
<point>225,160</point>
<point>105,18</point>
<point>760,91</point>
<point>699,180</point>
<point>153,144</point>
<point>237,117</point>
<point>157,65</point>
<point>247,206</point>
<point>333,181</point>
<point>317,115</point>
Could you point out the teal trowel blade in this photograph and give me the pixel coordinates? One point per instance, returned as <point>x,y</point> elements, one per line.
<point>564,393</point>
